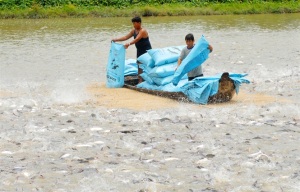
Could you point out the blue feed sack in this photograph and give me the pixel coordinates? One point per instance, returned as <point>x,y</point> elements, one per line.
<point>163,70</point>
<point>115,66</point>
<point>194,59</point>
<point>147,78</point>
<point>166,55</point>
<point>131,67</point>
<point>168,87</point>
<point>146,59</point>
<point>162,80</point>
<point>165,80</point>
<point>146,69</point>
<point>147,85</point>
<point>159,80</point>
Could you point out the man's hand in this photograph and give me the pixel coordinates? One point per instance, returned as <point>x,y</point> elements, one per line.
<point>126,45</point>
<point>114,39</point>
<point>178,63</point>
<point>210,48</point>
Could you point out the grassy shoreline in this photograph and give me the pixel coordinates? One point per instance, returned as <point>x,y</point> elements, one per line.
<point>38,12</point>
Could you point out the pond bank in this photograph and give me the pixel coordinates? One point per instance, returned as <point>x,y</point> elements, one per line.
<point>71,10</point>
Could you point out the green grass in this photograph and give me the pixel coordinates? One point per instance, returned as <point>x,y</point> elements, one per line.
<point>70,10</point>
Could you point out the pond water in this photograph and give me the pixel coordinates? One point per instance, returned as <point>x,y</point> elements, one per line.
<point>62,130</point>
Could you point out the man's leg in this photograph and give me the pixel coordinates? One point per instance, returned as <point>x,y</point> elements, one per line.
<point>140,71</point>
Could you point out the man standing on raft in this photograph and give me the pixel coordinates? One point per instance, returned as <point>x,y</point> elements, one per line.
<point>141,40</point>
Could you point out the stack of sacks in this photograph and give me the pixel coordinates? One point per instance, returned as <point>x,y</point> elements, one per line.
<point>201,88</point>
<point>159,67</point>
<point>131,67</point>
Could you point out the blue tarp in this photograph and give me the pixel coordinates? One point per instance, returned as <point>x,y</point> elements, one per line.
<point>194,59</point>
<point>115,66</point>
<point>201,88</point>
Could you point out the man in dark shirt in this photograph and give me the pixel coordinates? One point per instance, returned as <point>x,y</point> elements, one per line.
<point>141,39</point>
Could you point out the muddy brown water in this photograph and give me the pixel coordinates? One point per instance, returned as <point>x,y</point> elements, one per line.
<point>63,130</point>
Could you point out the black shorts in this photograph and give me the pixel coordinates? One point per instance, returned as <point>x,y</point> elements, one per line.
<point>191,78</point>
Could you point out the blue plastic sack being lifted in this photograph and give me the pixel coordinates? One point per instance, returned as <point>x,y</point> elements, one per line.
<point>195,58</point>
<point>115,66</point>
